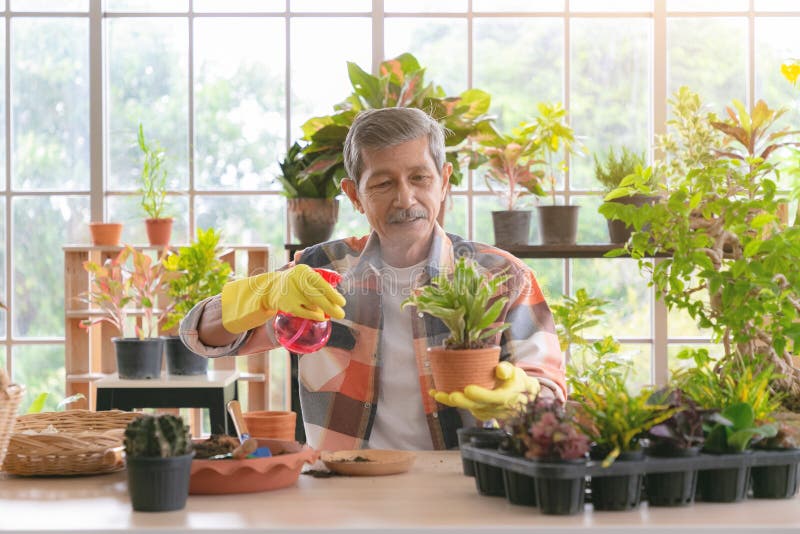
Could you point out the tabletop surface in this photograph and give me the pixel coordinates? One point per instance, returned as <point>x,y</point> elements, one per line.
<point>212,379</point>
<point>432,496</point>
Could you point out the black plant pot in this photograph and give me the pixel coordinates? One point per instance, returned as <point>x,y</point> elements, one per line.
<point>139,358</point>
<point>519,488</point>
<point>775,481</point>
<point>159,484</point>
<point>511,228</point>
<point>723,485</point>
<point>560,496</point>
<point>181,360</point>
<point>491,438</point>
<point>488,478</point>
<point>618,492</point>
<point>676,488</point>
<point>618,231</point>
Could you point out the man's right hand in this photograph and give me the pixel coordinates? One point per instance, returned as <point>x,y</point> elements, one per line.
<point>300,291</point>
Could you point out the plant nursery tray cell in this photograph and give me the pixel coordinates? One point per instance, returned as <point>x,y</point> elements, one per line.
<point>368,462</point>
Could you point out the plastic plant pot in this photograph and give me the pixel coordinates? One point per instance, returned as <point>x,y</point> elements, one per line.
<point>674,488</point>
<point>520,489</point>
<point>724,485</point>
<point>159,484</point>
<point>495,435</point>
<point>618,492</point>
<point>488,478</point>
<point>560,496</point>
<point>775,481</point>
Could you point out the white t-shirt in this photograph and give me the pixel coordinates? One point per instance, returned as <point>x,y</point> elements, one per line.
<point>400,421</point>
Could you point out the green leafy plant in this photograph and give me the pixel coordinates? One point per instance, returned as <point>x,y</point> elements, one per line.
<point>732,264</point>
<point>614,417</point>
<point>297,184</point>
<point>199,273</point>
<point>467,302</point>
<point>157,436</point>
<point>718,385</point>
<point>154,178</point>
<point>510,160</point>
<point>734,430</point>
<point>37,405</point>
<point>613,168</point>
<point>400,83</point>
<point>556,139</point>
<point>117,290</point>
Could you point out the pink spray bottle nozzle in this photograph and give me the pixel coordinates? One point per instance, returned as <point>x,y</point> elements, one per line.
<point>301,335</point>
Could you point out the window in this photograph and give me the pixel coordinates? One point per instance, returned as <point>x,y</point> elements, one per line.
<point>224,87</point>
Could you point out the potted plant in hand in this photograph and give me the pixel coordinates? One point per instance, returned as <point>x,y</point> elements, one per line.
<point>509,161</point>
<point>558,225</point>
<point>195,273</point>
<point>117,291</point>
<point>154,192</point>
<point>310,198</point>
<point>158,455</point>
<point>469,304</point>
<point>544,430</point>
<point>615,419</point>
<point>610,173</point>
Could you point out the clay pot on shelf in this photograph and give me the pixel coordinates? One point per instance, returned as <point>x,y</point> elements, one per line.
<point>105,233</point>
<point>159,231</point>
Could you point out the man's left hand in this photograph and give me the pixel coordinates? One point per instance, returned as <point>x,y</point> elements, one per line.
<point>514,389</point>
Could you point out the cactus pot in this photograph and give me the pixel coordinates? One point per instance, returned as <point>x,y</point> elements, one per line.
<point>159,484</point>
<point>775,481</point>
<point>619,492</point>
<point>181,360</point>
<point>675,488</point>
<point>139,358</point>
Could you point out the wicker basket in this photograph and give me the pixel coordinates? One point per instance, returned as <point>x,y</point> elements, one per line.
<point>9,403</point>
<point>86,443</point>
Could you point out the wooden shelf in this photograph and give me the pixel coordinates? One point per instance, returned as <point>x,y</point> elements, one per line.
<point>588,250</point>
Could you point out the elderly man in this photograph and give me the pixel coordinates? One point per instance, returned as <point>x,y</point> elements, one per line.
<point>369,387</point>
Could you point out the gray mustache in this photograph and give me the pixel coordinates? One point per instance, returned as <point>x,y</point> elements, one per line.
<point>407,215</point>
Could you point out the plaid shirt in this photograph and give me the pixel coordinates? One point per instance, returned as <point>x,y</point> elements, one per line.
<point>339,383</point>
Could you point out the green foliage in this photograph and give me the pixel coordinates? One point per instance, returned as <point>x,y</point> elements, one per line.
<point>401,83</point>
<point>468,303</point>
<point>159,436</point>
<point>611,171</point>
<point>38,404</point>
<point>717,385</point>
<point>555,137</point>
<point>198,274</point>
<point>297,184</point>
<point>115,288</point>
<point>734,430</point>
<point>733,264</point>
<point>510,159</point>
<point>154,178</point>
<point>614,417</point>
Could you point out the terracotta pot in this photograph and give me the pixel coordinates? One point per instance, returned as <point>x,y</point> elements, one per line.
<point>105,234</point>
<point>312,219</point>
<point>159,231</point>
<point>272,425</point>
<point>453,370</point>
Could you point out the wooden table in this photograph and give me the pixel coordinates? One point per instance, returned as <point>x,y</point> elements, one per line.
<point>212,390</point>
<point>433,497</point>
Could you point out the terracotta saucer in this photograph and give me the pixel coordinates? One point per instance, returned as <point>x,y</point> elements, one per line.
<point>368,462</point>
<point>252,474</point>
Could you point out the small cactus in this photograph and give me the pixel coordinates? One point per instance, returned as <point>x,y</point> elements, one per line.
<point>157,436</point>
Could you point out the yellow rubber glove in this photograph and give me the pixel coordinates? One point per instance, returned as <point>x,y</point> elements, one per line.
<point>515,389</point>
<point>251,302</point>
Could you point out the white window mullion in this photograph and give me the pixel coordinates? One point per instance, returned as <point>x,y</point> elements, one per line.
<point>191,138</point>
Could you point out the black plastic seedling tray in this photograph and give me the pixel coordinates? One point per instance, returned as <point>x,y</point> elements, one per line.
<point>568,470</point>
